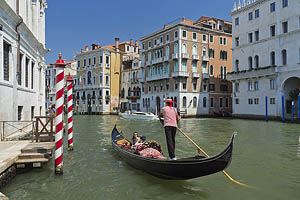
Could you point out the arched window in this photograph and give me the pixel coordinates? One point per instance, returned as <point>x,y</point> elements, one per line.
<point>89,77</point>
<point>272,58</point>
<point>176,48</point>
<point>194,102</point>
<point>256,60</point>
<point>129,91</point>
<point>123,93</point>
<point>195,50</point>
<point>184,102</point>
<point>204,51</point>
<point>204,102</point>
<point>284,57</point>
<point>237,63</point>
<point>167,51</point>
<point>250,64</point>
<point>211,70</point>
<point>143,102</point>
<point>184,48</point>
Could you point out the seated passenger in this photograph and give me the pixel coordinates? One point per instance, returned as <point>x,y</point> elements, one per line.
<point>135,138</point>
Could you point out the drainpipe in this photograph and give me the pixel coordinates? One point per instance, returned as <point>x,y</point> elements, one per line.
<point>18,41</point>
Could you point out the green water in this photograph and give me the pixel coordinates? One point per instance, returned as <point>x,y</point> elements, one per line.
<point>264,156</point>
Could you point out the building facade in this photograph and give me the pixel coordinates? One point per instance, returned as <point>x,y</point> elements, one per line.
<point>98,77</point>
<point>50,80</point>
<point>266,57</point>
<point>175,64</point>
<point>22,59</point>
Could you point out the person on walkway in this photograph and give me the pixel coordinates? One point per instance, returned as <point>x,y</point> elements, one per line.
<point>171,116</point>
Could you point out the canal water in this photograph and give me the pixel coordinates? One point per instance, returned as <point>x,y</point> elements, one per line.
<point>264,156</point>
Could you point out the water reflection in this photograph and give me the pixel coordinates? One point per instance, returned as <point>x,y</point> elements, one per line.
<point>298,152</point>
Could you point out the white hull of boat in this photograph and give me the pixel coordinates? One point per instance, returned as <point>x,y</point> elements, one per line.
<point>139,116</point>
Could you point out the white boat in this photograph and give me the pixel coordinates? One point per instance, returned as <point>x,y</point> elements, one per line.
<point>138,115</point>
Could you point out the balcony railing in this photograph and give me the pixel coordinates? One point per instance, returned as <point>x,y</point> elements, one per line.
<point>157,60</point>
<point>254,73</point>
<point>185,56</point>
<point>196,75</point>
<point>175,56</point>
<point>166,58</point>
<point>180,74</point>
<point>149,62</point>
<point>205,58</point>
<point>205,75</point>
<point>196,57</point>
<point>157,77</point>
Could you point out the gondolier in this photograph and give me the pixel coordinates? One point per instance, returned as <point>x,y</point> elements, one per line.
<point>171,116</point>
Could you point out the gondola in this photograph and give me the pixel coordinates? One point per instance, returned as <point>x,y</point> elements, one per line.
<point>181,169</point>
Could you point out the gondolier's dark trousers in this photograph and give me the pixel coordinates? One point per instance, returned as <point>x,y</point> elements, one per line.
<point>170,136</point>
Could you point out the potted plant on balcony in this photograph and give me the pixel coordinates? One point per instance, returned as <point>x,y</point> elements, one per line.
<point>107,97</point>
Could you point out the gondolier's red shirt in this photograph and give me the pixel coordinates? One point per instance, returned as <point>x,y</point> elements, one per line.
<point>169,114</point>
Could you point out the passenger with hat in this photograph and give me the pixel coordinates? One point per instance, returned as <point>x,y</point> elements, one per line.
<point>171,116</point>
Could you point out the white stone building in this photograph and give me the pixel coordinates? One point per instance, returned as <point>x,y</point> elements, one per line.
<point>266,57</point>
<point>22,59</point>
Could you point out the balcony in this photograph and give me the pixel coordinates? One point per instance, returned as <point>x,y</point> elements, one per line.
<point>157,77</point>
<point>166,59</point>
<point>157,60</point>
<point>149,62</point>
<point>205,58</point>
<point>196,57</point>
<point>196,75</point>
<point>180,74</point>
<point>175,56</point>
<point>205,76</point>
<point>254,73</point>
<point>185,56</point>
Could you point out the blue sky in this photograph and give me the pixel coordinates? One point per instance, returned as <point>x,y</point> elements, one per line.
<point>72,24</point>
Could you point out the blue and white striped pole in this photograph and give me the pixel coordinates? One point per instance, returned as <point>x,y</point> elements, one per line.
<point>266,108</point>
<point>282,101</point>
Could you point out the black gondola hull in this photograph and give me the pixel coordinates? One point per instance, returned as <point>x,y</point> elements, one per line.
<point>180,169</point>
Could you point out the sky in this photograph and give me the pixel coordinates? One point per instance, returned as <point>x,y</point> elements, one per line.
<point>73,24</point>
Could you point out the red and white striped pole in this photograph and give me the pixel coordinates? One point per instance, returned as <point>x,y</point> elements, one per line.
<point>59,105</point>
<point>70,112</point>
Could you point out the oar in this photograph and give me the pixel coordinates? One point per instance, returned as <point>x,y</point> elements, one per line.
<point>224,172</point>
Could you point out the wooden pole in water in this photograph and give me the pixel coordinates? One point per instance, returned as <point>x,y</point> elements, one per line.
<point>266,108</point>
<point>70,112</point>
<point>59,105</point>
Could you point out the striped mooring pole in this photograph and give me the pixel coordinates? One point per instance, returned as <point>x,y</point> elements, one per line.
<point>70,112</point>
<point>59,105</point>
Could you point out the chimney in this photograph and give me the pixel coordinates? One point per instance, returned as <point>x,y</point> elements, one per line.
<point>86,47</point>
<point>136,43</point>
<point>183,19</point>
<point>131,42</point>
<point>165,26</point>
<point>117,43</point>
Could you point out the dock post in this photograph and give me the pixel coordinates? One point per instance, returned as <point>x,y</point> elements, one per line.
<point>282,108</point>
<point>292,110</point>
<point>266,108</point>
<point>70,112</point>
<point>59,105</point>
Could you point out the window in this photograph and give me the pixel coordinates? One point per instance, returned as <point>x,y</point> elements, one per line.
<point>211,87</point>
<point>256,13</point>
<point>221,102</point>
<point>250,16</point>
<point>175,34</point>
<point>184,48</point>
<point>211,39</point>
<point>184,34</point>
<point>284,27</point>
<point>176,48</point>
<point>89,61</point>
<point>256,61</point>
<point>211,53</point>
<point>256,100</point>
<point>250,64</point>
<point>223,88</point>
<point>20,70</point>
<point>143,45</point>
<point>284,57</point>
<point>20,109</point>
<point>250,86</point>
<point>161,40</point>
<point>155,42</point>
<point>184,85</point>
<point>221,72</point>
<point>194,66</point>
<point>237,87</point>
<point>168,38</point>
<point>211,70</point>
<point>250,37</point>
<point>84,62</point>
<point>272,31</point>
<point>256,85</point>
<point>224,41</point>
<point>184,68</point>
<point>6,48</point>
<point>107,80</point>
<point>195,50</point>
<point>26,72</point>
<point>101,59</point>
<point>272,58</point>
<point>237,63</point>
<point>272,84</point>
<point>211,102</point>
<point>194,102</point>
<point>204,102</point>
<point>256,35</point>
<point>94,61</point>
<point>195,84</point>
<point>237,21</point>
<point>272,7</point>
<point>237,41</point>
<point>285,3</point>
<point>250,101</point>
<point>204,51</point>
<point>107,60</point>
<point>149,45</point>
<point>32,74</point>
<point>272,100</point>
<point>194,36</point>
<point>204,38</point>
<point>184,102</point>
<point>237,101</point>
